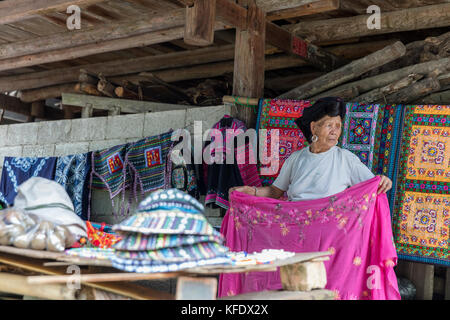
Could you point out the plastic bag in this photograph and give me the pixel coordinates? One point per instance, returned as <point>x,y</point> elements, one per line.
<point>26,230</point>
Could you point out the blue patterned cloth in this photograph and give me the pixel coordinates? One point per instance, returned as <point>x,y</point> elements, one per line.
<point>72,172</point>
<point>18,170</point>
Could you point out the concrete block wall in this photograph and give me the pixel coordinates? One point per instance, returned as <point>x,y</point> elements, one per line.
<point>66,137</point>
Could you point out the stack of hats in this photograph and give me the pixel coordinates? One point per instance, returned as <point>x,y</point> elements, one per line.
<point>168,233</point>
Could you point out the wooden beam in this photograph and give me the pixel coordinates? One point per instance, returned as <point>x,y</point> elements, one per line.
<point>419,18</point>
<point>303,10</point>
<point>118,67</point>
<point>276,5</point>
<point>96,34</point>
<point>17,10</point>
<point>126,106</point>
<point>199,26</point>
<point>386,78</point>
<point>279,37</point>
<point>248,77</point>
<point>347,72</point>
<point>53,79</point>
<point>13,104</point>
<point>46,92</point>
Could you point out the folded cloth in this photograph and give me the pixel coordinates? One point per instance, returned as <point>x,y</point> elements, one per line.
<point>172,221</point>
<point>72,172</point>
<point>141,242</point>
<point>192,252</point>
<point>17,170</point>
<point>168,233</point>
<point>148,266</point>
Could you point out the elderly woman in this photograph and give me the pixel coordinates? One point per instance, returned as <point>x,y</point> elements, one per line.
<point>322,168</point>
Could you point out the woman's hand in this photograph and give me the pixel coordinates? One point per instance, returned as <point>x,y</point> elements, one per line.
<point>244,189</point>
<point>385,184</point>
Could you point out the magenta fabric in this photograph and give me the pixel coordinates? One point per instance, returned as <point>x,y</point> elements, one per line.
<point>353,225</point>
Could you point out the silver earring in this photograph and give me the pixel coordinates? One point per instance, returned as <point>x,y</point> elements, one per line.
<point>314,138</point>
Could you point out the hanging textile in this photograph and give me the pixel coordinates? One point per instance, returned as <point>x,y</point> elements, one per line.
<point>354,226</point>
<point>72,172</point>
<point>17,170</point>
<point>277,117</point>
<point>421,218</point>
<point>149,159</point>
<point>221,177</point>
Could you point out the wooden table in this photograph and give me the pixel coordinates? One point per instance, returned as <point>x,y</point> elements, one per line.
<point>99,280</point>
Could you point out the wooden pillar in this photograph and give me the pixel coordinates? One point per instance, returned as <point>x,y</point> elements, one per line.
<point>248,78</point>
<point>199,26</point>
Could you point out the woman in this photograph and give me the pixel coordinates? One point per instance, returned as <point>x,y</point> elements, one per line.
<point>322,168</point>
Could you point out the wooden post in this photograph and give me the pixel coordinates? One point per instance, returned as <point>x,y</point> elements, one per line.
<point>248,78</point>
<point>38,109</point>
<point>199,26</point>
<point>87,111</point>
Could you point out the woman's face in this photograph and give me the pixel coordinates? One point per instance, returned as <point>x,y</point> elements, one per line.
<point>328,130</point>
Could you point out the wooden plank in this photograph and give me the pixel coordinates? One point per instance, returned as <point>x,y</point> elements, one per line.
<point>16,10</point>
<point>118,67</point>
<point>424,17</point>
<point>102,33</point>
<point>13,104</point>
<point>126,106</point>
<point>248,76</point>
<point>278,36</point>
<point>199,25</point>
<point>17,284</point>
<point>384,79</point>
<point>276,5</point>
<point>303,10</point>
<point>347,72</point>
<point>320,294</point>
<point>127,289</point>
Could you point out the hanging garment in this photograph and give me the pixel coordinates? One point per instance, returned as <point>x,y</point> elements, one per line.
<point>220,177</point>
<point>72,172</point>
<point>149,160</point>
<point>354,226</point>
<point>17,170</point>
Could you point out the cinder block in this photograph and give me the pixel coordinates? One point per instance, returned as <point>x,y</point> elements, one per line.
<point>21,134</point>
<point>104,144</point>
<point>65,149</point>
<point>126,126</point>
<point>54,131</point>
<point>3,134</point>
<point>161,122</point>
<point>207,115</point>
<point>39,150</point>
<point>89,129</point>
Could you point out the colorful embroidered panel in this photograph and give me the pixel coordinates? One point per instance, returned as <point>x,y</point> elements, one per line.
<point>358,133</point>
<point>279,114</point>
<point>421,219</point>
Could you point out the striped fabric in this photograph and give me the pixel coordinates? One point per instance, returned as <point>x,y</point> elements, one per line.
<point>198,251</point>
<point>140,242</point>
<point>167,222</point>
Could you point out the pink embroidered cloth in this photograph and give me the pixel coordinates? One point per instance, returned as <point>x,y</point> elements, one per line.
<point>353,225</point>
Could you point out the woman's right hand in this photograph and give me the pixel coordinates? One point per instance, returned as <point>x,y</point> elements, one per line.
<point>244,189</point>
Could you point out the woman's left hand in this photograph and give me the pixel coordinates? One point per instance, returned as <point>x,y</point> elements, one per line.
<point>385,184</point>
